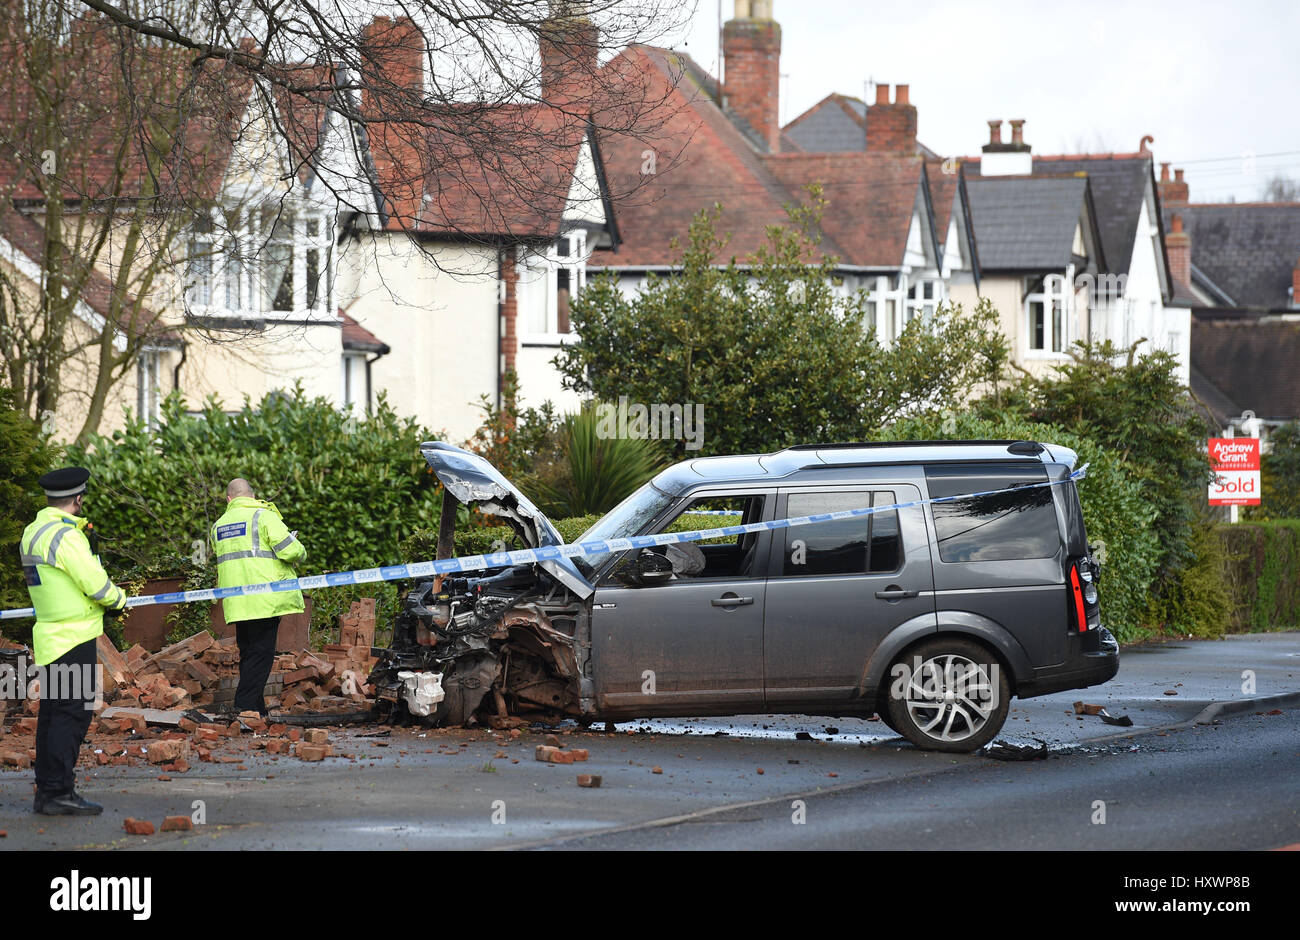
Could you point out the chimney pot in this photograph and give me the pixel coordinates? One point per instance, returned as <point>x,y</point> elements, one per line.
<point>1176,223</point>
<point>995,132</point>
<point>1018,131</point>
<point>1164,172</point>
<point>1178,176</point>
<point>891,128</point>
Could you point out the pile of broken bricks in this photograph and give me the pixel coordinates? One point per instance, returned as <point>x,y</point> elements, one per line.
<point>171,743</point>
<point>202,671</point>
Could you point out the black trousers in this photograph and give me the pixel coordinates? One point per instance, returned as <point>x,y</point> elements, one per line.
<point>256,639</point>
<point>68,689</point>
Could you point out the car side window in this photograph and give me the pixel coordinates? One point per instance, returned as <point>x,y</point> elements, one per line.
<point>730,556</point>
<point>864,545</point>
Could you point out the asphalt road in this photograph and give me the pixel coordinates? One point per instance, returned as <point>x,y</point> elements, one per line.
<point>732,783</point>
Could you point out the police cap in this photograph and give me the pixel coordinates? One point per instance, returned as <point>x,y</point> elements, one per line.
<point>64,482</point>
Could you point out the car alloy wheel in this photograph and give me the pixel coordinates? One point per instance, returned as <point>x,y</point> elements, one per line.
<point>948,695</point>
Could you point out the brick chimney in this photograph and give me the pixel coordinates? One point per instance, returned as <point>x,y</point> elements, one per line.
<point>1007,159</point>
<point>392,64</point>
<point>891,128</point>
<point>1178,247</point>
<point>570,44</point>
<point>1172,192</point>
<point>1295,284</point>
<point>751,48</point>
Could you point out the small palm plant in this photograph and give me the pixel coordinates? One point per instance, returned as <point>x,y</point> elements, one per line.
<point>593,472</point>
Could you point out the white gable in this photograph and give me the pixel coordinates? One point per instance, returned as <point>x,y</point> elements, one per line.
<point>584,203</point>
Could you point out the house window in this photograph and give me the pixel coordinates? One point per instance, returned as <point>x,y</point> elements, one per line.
<point>146,385</point>
<point>883,305</point>
<point>923,299</point>
<point>198,264</point>
<point>549,282</point>
<point>1048,322</point>
<point>276,260</point>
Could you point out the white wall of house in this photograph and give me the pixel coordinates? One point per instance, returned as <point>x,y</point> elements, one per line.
<point>1140,313</point>
<point>436,306</point>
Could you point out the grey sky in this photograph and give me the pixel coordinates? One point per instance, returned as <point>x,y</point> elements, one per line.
<point>1212,82</point>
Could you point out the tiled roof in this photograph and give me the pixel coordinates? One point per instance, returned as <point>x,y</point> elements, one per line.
<point>357,338</point>
<point>870,201</point>
<point>692,157</point>
<point>1025,223</point>
<point>1216,405</point>
<point>1117,182</point>
<point>702,157</point>
<point>1246,250</point>
<point>837,122</point>
<point>479,170</point>
<point>28,237</point>
<point>1252,362</point>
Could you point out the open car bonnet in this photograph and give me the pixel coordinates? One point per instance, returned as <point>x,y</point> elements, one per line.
<point>474,481</point>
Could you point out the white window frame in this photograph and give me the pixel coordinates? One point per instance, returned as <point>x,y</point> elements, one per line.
<point>884,306</point>
<point>229,284</point>
<point>148,394</point>
<point>531,265</point>
<point>917,304</point>
<point>1054,298</point>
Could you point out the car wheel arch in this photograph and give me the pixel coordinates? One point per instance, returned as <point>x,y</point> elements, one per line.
<point>956,623</point>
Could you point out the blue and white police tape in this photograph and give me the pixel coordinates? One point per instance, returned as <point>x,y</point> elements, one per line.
<point>526,556</point>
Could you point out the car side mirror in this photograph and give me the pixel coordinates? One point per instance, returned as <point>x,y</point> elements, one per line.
<point>652,568</point>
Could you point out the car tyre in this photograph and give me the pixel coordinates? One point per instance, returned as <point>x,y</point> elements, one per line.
<point>948,694</point>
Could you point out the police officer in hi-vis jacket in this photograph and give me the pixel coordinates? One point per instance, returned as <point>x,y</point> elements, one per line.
<point>253,546</point>
<point>71,594</point>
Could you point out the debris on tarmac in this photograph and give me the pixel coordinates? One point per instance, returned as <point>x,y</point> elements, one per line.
<point>1001,750</point>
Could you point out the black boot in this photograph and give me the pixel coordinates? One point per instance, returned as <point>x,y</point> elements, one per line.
<point>65,804</point>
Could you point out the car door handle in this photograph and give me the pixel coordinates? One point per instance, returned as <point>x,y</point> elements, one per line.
<point>731,601</point>
<point>896,594</point>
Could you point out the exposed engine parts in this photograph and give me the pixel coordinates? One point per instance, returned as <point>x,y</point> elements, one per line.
<point>500,645</point>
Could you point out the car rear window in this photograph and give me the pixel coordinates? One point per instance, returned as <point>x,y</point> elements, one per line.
<point>1004,527</point>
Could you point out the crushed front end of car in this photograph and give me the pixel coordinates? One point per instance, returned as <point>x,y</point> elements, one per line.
<point>503,646</point>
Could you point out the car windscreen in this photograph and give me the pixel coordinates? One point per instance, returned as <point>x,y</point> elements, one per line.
<point>627,518</point>
<point>1001,527</point>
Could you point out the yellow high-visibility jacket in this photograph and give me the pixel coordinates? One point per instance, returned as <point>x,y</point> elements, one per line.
<point>68,586</point>
<point>254,546</point>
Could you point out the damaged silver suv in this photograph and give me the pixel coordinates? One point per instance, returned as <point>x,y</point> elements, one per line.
<point>930,615</point>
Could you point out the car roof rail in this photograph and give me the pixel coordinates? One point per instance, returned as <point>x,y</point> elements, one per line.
<point>1020,448</point>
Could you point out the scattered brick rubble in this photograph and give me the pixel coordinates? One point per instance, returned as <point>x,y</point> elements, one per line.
<point>156,707</point>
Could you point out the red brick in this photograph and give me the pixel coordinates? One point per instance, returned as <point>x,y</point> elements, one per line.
<point>317,736</point>
<point>138,827</point>
<point>579,753</point>
<point>295,734</point>
<point>177,824</point>
<point>188,725</point>
<point>165,751</point>
<point>589,780</point>
<point>552,755</point>
<point>312,752</point>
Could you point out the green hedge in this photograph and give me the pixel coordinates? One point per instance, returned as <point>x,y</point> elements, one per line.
<point>1262,562</point>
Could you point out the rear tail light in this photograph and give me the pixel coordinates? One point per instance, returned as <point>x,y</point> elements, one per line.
<point>1077,597</point>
